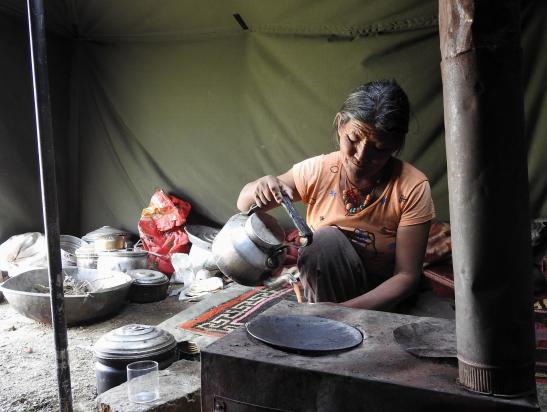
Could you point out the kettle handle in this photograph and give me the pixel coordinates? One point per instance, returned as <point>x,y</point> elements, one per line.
<point>254,207</point>
<point>306,234</point>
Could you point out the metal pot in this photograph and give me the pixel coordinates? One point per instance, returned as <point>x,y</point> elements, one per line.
<point>122,260</point>
<point>86,257</point>
<point>131,343</point>
<point>92,236</point>
<point>148,286</point>
<point>250,247</point>
<point>109,242</point>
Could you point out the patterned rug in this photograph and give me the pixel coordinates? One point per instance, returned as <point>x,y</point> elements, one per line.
<point>223,319</point>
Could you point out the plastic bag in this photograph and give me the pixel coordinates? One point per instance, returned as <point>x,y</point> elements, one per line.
<point>23,252</point>
<point>161,229</point>
<point>183,269</point>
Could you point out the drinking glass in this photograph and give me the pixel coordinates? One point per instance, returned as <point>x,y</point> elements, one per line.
<point>143,381</point>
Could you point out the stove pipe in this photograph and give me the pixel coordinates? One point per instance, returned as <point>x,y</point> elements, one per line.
<point>488,193</point>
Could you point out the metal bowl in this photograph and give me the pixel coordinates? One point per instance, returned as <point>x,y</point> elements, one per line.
<point>201,236</point>
<point>69,244</point>
<point>111,290</point>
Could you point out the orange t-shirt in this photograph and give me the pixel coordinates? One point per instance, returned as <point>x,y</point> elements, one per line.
<point>405,201</point>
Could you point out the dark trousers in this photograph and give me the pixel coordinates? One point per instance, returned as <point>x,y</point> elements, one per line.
<point>330,268</point>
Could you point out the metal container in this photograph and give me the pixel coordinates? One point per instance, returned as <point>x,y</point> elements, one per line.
<point>108,297</point>
<point>240,258</point>
<point>69,244</point>
<point>92,236</point>
<point>148,285</point>
<point>109,242</point>
<point>250,248</point>
<point>130,343</point>
<point>122,260</point>
<point>86,257</point>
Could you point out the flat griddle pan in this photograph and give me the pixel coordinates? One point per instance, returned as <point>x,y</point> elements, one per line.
<point>304,334</point>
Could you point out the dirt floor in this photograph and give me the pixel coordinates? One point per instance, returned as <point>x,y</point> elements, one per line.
<point>27,360</point>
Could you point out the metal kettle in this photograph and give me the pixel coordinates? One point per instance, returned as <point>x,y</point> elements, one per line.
<point>251,246</point>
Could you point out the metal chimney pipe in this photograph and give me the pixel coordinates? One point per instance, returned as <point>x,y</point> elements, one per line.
<point>488,193</point>
<point>46,154</point>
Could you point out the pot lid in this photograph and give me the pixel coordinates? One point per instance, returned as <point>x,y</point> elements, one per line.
<point>123,253</point>
<point>103,231</point>
<point>147,277</point>
<point>134,341</point>
<point>265,229</point>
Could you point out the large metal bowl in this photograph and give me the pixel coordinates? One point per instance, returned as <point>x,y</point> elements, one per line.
<point>109,298</point>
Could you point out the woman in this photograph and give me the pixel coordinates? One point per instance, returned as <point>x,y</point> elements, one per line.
<point>370,212</point>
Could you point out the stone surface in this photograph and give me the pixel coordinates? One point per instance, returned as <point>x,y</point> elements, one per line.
<point>179,391</point>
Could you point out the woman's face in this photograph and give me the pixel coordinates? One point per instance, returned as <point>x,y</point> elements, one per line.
<point>364,151</point>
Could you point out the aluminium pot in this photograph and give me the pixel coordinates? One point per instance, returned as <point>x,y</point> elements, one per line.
<point>109,242</point>
<point>86,257</point>
<point>103,231</point>
<point>119,347</point>
<point>148,286</point>
<point>122,260</point>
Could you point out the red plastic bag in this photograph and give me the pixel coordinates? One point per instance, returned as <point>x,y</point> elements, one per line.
<point>161,229</point>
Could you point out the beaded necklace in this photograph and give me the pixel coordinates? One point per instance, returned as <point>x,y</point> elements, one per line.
<point>352,194</point>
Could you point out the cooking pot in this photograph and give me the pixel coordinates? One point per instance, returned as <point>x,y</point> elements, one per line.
<point>122,260</point>
<point>109,242</point>
<point>148,285</point>
<point>251,246</point>
<point>119,347</point>
<point>101,232</point>
<point>86,257</point>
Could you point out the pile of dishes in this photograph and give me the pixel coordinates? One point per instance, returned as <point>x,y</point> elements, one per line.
<point>108,248</point>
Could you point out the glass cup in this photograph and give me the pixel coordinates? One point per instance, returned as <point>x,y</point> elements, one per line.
<point>143,381</point>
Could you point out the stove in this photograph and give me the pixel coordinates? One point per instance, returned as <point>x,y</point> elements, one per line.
<point>242,374</point>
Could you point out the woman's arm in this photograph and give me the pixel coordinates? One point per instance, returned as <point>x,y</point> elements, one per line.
<point>266,192</point>
<point>411,245</point>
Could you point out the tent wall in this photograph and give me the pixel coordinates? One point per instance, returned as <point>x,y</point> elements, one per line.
<point>183,98</point>
<point>20,200</point>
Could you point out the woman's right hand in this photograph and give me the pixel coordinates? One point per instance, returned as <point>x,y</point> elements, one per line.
<point>268,189</point>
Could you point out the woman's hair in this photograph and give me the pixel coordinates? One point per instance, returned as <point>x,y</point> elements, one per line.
<point>380,103</point>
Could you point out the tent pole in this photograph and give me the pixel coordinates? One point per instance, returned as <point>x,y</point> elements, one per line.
<point>46,154</point>
<point>488,193</point>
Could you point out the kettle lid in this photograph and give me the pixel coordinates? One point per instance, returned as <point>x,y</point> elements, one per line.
<point>264,229</point>
<point>134,341</point>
